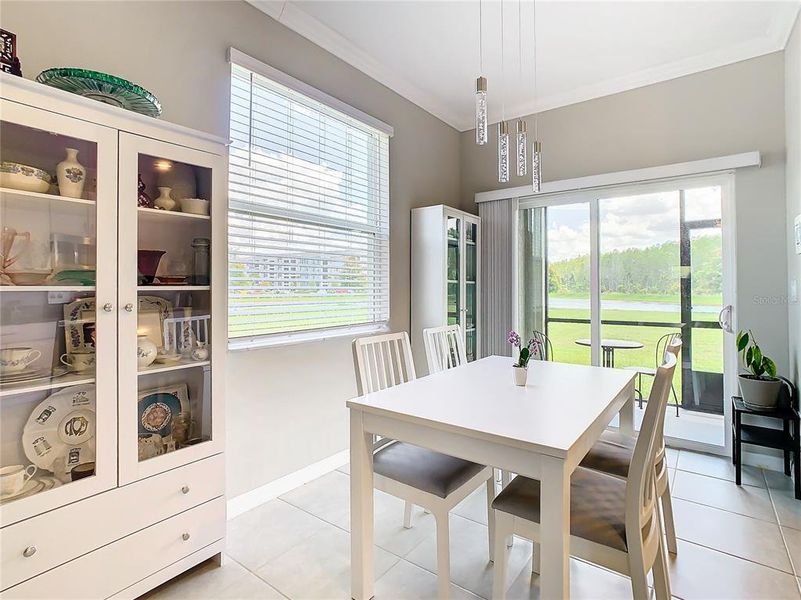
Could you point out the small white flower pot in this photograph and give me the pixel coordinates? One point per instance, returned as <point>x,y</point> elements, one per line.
<point>521,375</point>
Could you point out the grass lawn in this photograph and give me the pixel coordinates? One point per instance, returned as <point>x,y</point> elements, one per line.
<point>305,312</point>
<point>707,344</point>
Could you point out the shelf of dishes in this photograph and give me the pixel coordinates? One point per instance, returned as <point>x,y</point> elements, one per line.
<point>12,194</point>
<point>43,379</point>
<point>159,213</point>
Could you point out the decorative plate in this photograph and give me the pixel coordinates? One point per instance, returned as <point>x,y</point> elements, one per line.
<point>158,408</point>
<point>60,433</point>
<point>33,375</point>
<point>102,87</point>
<point>79,322</point>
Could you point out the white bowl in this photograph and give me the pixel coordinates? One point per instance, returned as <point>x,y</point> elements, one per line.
<point>195,206</point>
<point>17,176</point>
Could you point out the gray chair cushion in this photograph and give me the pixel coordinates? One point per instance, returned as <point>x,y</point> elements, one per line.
<point>423,469</point>
<point>611,454</point>
<point>597,505</point>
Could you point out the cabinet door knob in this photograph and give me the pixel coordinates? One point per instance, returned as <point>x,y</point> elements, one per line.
<point>185,536</point>
<point>185,489</point>
<point>108,306</point>
<point>129,307</point>
<point>29,551</point>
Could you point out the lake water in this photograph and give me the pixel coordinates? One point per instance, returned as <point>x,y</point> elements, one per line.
<point>580,303</point>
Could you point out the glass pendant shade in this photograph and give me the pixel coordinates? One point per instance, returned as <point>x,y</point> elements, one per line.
<point>522,148</point>
<point>536,166</point>
<point>481,111</point>
<point>503,152</point>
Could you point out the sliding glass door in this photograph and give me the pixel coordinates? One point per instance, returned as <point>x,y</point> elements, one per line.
<point>610,277</point>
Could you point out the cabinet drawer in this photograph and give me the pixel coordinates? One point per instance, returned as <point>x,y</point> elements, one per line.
<point>112,568</point>
<point>71,531</point>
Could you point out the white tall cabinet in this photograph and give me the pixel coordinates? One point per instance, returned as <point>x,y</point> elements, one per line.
<point>446,271</point>
<point>128,485</point>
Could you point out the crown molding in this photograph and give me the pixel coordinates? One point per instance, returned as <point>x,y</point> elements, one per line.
<point>293,17</point>
<point>320,34</point>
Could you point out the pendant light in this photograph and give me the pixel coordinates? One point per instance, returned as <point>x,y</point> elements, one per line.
<point>503,126</point>
<point>536,147</point>
<point>521,138</point>
<point>481,89</point>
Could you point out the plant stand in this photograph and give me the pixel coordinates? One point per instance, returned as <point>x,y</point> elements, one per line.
<point>787,439</point>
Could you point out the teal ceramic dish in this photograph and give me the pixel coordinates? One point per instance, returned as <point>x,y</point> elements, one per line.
<point>102,87</point>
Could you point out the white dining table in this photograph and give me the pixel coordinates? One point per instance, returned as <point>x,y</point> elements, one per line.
<point>542,430</point>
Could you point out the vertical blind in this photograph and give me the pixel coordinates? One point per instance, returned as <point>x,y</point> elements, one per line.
<point>308,221</point>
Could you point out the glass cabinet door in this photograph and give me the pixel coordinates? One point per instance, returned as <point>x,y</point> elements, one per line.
<point>471,289</point>
<point>453,234</point>
<point>58,227</point>
<point>168,355</point>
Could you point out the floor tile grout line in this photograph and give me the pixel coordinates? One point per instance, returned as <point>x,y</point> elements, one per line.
<point>781,532</point>
<point>348,532</point>
<point>259,577</point>
<point>726,510</point>
<point>753,562</point>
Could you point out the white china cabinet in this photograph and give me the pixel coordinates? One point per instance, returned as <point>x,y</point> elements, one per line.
<point>446,270</point>
<point>112,343</point>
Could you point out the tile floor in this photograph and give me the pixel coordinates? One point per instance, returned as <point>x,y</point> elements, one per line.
<point>734,543</point>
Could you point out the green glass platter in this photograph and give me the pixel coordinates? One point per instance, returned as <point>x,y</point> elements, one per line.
<point>103,88</point>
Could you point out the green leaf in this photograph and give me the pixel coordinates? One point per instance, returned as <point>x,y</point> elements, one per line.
<point>742,341</point>
<point>770,366</point>
<point>524,352</point>
<point>757,357</point>
<point>749,357</point>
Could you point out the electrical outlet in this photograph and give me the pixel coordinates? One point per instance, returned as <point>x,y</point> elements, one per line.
<point>58,297</point>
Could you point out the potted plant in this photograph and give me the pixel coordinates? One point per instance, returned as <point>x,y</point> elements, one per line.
<point>524,355</point>
<point>760,387</point>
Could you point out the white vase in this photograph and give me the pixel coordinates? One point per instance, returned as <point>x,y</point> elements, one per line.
<point>146,351</point>
<point>521,375</point>
<point>180,178</point>
<point>71,175</point>
<point>165,201</point>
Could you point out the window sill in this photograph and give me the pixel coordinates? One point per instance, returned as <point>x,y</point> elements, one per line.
<point>293,339</point>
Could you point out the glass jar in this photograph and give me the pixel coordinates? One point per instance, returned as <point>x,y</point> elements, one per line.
<point>201,262</point>
<point>181,425</point>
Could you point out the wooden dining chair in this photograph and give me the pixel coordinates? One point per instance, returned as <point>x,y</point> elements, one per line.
<point>544,348</point>
<point>613,522</point>
<point>444,347</point>
<point>662,345</point>
<point>437,482</point>
<point>614,451</point>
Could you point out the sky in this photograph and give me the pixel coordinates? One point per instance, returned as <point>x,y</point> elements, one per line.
<point>636,221</point>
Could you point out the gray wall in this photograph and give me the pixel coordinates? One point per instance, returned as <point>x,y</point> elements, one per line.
<point>285,405</point>
<point>736,108</point>
<point>792,103</point>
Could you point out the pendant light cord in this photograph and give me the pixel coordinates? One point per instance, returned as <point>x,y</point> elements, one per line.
<point>480,40</point>
<point>534,54</point>
<point>503,77</point>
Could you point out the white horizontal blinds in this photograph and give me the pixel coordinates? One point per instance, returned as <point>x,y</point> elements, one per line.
<point>309,214</point>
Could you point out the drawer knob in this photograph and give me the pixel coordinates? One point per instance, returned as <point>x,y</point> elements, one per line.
<point>129,307</point>
<point>184,536</point>
<point>108,306</point>
<point>29,551</point>
<point>185,489</point>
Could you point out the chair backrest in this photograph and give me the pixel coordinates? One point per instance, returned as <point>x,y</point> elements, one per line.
<point>543,349</point>
<point>382,361</point>
<point>642,526</point>
<point>444,347</point>
<point>660,464</point>
<point>663,346</point>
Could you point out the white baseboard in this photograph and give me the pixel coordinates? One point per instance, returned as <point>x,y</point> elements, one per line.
<point>269,491</point>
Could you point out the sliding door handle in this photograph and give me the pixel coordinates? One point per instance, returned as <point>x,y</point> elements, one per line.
<point>724,319</point>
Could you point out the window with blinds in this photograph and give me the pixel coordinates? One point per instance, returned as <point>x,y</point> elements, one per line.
<point>308,227</point>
